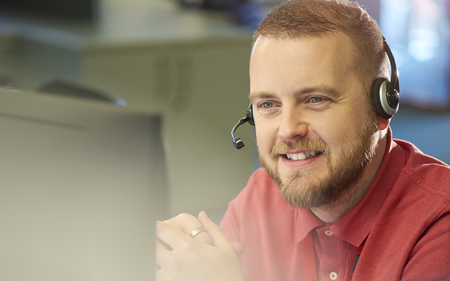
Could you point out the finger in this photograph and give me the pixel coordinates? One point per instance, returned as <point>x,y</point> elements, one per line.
<point>171,236</point>
<point>187,223</point>
<point>184,222</point>
<point>162,275</point>
<point>159,241</point>
<point>238,248</point>
<point>218,237</point>
<point>162,255</point>
<point>160,246</point>
<point>204,237</point>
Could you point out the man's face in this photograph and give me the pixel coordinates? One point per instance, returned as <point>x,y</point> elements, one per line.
<point>315,135</point>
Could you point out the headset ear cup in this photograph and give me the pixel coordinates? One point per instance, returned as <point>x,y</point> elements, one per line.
<point>379,88</point>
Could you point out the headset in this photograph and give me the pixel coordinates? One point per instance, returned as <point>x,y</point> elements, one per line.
<point>385,98</point>
<point>386,93</point>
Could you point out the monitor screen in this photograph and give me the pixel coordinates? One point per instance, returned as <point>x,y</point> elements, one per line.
<point>81,186</point>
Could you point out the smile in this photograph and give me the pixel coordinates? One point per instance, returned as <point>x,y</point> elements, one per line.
<point>303,155</point>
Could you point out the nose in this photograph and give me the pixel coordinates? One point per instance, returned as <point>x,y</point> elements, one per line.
<point>292,125</point>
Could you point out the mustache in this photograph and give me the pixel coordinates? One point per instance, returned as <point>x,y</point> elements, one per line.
<point>303,144</point>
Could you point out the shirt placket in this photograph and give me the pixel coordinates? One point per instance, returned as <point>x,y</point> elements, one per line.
<point>331,254</point>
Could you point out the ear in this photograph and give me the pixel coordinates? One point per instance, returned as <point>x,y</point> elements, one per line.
<point>382,123</point>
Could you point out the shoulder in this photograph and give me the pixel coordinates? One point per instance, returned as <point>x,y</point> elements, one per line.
<point>425,173</point>
<point>410,236</point>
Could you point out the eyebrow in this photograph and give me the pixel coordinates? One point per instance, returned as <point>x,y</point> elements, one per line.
<point>304,91</point>
<point>260,95</point>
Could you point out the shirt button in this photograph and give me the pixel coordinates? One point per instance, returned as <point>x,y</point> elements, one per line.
<point>333,276</point>
<point>329,233</point>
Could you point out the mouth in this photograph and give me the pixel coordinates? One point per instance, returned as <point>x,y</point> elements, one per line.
<point>303,155</point>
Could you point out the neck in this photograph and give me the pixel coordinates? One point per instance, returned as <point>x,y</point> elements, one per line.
<point>331,214</point>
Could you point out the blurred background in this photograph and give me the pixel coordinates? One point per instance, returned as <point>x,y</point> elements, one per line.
<point>188,61</point>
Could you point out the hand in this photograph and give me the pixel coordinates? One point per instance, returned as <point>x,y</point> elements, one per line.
<point>186,223</point>
<point>187,259</point>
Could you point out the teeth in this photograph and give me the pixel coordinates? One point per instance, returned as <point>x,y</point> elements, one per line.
<point>302,155</point>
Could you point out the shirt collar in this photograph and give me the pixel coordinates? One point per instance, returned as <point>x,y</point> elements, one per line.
<point>354,226</point>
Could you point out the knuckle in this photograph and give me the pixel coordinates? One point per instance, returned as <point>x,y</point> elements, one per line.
<point>181,218</point>
<point>186,216</point>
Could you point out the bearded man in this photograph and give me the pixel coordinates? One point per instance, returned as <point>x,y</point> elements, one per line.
<point>338,198</point>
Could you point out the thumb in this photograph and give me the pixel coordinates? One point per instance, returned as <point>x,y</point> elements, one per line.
<point>238,247</point>
<point>218,237</point>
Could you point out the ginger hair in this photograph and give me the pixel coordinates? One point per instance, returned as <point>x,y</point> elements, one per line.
<point>303,18</point>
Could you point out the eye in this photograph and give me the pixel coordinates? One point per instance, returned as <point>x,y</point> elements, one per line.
<point>266,105</point>
<point>316,99</point>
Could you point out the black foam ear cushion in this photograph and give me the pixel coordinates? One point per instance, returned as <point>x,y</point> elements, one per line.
<point>377,86</point>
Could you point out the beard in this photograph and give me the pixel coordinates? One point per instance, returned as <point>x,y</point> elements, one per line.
<point>326,189</point>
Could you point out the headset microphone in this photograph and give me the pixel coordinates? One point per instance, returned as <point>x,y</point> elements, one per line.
<point>237,142</point>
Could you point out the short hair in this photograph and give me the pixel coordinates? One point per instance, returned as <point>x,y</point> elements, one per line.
<point>303,18</point>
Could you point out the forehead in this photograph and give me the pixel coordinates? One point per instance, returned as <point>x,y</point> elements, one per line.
<point>301,62</point>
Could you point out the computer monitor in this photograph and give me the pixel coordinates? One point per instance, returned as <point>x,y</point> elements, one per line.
<point>81,186</point>
<point>84,10</point>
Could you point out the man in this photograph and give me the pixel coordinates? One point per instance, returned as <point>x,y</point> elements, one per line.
<point>338,198</point>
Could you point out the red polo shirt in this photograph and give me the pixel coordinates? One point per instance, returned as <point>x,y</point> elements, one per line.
<point>405,216</point>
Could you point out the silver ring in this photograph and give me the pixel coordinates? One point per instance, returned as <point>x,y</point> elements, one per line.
<point>196,231</point>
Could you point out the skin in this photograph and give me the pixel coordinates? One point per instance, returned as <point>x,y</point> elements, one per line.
<point>306,89</point>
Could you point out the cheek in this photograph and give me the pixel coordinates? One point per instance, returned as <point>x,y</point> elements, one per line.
<point>266,138</point>
<point>333,131</point>
<point>341,130</point>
